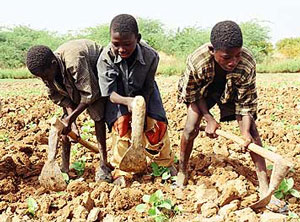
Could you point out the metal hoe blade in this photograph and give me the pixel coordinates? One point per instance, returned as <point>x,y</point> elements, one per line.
<point>134,160</point>
<point>51,176</point>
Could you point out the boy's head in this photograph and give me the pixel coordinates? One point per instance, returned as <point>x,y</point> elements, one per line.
<point>42,62</point>
<point>124,35</point>
<point>227,41</point>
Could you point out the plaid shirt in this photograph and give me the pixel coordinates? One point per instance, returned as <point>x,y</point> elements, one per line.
<point>240,85</point>
<point>77,60</point>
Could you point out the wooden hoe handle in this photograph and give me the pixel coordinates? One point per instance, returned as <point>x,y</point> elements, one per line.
<point>267,154</point>
<point>83,142</point>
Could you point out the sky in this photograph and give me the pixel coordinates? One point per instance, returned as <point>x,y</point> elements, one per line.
<point>282,17</point>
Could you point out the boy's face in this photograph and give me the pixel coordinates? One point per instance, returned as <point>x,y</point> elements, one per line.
<point>228,59</point>
<point>49,73</point>
<point>124,44</point>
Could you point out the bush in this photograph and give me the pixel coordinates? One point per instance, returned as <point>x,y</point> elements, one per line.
<point>14,43</point>
<point>289,47</point>
<point>256,39</point>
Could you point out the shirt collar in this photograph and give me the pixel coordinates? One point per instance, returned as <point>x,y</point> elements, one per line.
<point>61,65</point>
<point>139,56</point>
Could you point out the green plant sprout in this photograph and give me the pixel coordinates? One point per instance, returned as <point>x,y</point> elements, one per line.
<point>162,171</point>
<point>293,215</point>
<point>31,206</point>
<point>79,166</point>
<point>286,188</point>
<point>66,177</point>
<point>157,207</point>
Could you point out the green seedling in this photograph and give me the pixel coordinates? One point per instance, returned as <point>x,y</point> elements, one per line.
<point>66,177</point>
<point>162,171</point>
<point>31,206</point>
<point>4,138</point>
<point>293,215</point>
<point>286,188</point>
<point>157,207</point>
<point>79,166</point>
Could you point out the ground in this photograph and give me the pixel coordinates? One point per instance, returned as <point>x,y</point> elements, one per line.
<point>222,181</point>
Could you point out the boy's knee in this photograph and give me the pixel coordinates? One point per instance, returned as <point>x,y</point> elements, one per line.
<point>190,132</point>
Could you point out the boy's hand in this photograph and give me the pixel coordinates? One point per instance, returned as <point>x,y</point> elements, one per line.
<point>68,126</point>
<point>248,139</point>
<point>211,128</point>
<point>129,103</point>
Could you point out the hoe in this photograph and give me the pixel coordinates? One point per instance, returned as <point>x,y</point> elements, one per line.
<point>134,160</point>
<point>51,175</point>
<point>280,168</point>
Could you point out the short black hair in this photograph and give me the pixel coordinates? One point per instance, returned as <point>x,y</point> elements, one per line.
<point>39,58</point>
<point>124,23</point>
<point>225,35</point>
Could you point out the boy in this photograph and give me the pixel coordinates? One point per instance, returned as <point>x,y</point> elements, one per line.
<point>221,73</point>
<point>70,75</point>
<point>126,69</point>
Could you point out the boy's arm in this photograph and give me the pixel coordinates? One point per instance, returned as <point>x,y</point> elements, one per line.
<point>126,101</point>
<point>149,81</point>
<point>246,104</point>
<point>212,124</point>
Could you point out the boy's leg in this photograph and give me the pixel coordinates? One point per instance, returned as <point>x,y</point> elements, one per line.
<point>260,163</point>
<point>157,144</point>
<point>189,134</point>
<point>104,172</point>
<point>66,148</point>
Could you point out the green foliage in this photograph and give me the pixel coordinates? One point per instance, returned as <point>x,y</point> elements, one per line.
<point>66,177</point>
<point>162,171</point>
<point>14,43</point>
<point>157,207</point>
<point>286,188</point>
<point>279,66</point>
<point>98,34</point>
<point>185,41</point>
<point>152,32</point>
<point>289,47</point>
<point>19,73</point>
<point>256,38</point>
<point>79,166</point>
<point>293,215</point>
<point>31,206</point>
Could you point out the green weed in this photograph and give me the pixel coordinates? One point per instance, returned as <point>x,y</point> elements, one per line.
<point>286,188</point>
<point>32,206</point>
<point>79,166</point>
<point>157,207</point>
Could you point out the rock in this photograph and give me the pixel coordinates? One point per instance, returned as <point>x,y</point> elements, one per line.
<point>272,217</point>
<point>87,201</point>
<point>226,209</point>
<point>94,214</point>
<point>5,218</point>
<point>248,200</point>
<point>203,194</point>
<point>293,200</point>
<point>179,193</point>
<point>209,209</point>
<point>79,212</point>
<point>223,150</point>
<point>229,194</point>
<point>77,187</point>
<point>120,181</point>
<point>245,215</point>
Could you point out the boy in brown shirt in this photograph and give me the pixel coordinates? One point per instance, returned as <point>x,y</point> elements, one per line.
<point>70,75</point>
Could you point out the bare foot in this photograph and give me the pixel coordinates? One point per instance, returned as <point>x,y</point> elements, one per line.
<point>104,174</point>
<point>181,179</point>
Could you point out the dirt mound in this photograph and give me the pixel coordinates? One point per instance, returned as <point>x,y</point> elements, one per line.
<point>222,181</point>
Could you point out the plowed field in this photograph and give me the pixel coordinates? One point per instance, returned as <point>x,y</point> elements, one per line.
<point>222,181</point>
